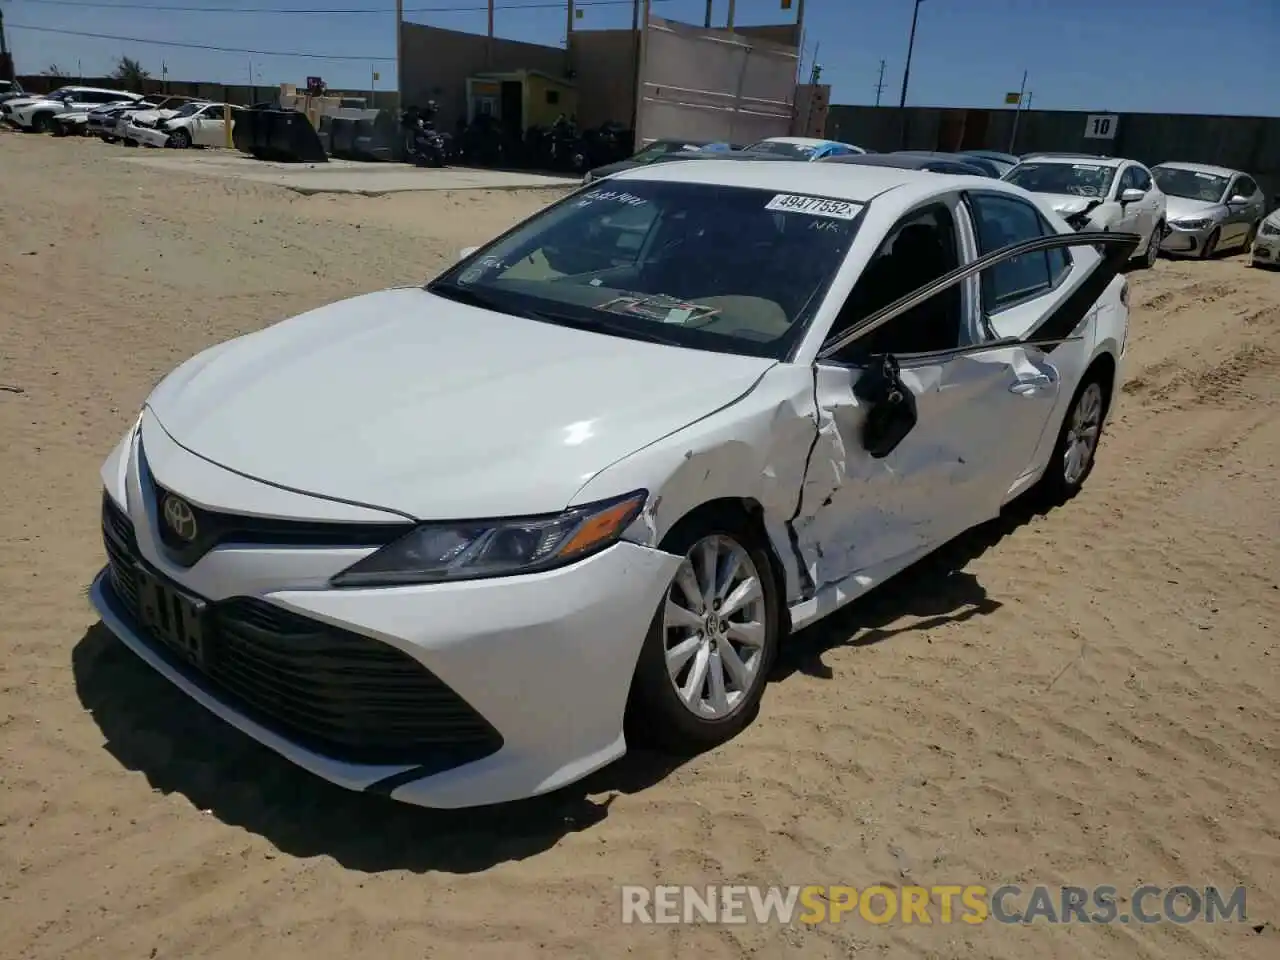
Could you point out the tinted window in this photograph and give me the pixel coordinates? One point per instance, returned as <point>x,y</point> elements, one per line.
<point>919,249</point>
<point>1142,179</point>
<point>1246,187</point>
<point>1001,222</point>
<point>709,266</point>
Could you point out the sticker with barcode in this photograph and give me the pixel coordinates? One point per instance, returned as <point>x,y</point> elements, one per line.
<point>814,206</point>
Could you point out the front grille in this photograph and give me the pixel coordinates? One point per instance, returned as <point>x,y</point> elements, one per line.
<point>335,692</point>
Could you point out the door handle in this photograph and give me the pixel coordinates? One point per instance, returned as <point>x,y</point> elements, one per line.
<point>1030,384</point>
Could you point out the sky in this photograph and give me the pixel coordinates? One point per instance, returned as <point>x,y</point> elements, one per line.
<point>1160,56</point>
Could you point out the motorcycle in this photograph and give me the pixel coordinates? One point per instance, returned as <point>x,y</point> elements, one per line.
<point>423,144</point>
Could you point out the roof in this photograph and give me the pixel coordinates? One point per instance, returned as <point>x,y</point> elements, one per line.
<point>1199,168</point>
<point>799,141</point>
<point>845,181</point>
<point>1076,158</point>
<point>124,94</point>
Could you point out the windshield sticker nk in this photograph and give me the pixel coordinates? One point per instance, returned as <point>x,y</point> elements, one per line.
<point>814,206</point>
<point>613,196</point>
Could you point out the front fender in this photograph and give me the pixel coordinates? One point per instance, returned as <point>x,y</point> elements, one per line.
<point>756,449</point>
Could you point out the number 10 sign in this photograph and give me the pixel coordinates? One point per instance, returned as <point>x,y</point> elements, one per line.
<point>1101,126</point>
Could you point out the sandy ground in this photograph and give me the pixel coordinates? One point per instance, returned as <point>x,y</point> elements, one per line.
<point>1090,696</point>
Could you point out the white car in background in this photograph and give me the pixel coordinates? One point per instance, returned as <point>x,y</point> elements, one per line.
<point>149,116</point>
<point>36,113</point>
<point>1266,248</point>
<point>798,148</point>
<point>195,124</point>
<point>1211,209</point>
<point>462,543</point>
<point>1099,193</point>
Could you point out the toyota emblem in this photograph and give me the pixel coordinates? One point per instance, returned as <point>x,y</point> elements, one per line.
<point>180,518</point>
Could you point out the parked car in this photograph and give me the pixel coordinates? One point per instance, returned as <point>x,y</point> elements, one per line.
<point>466,542</point>
<point>1266,248</point>
<point>1211,209</point>
<point>10,90</point>
<point>931,163</point>
<point>72,123</point>
<point>1099,193</point>
<point>655,152</point>
<point>1004,162</point>
<point>149,117</point>
<point>102,120</point>
<point>36,114</point>
<point>195,124</point>
<point>800,148</point>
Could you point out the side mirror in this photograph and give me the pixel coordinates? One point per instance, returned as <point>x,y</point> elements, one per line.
<point>1238,201</point>
<point>1132,195</point>
<point>466,252</point>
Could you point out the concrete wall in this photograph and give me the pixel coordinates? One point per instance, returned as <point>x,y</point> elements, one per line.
<point>1251,144</point>
<point>436,63</point>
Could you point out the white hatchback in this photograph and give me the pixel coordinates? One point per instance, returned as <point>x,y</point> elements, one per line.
<point>461,543</point>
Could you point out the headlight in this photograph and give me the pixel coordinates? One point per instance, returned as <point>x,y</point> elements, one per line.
<point>439,552</point>
<point>1192,224</point>
<point>1270,230</point>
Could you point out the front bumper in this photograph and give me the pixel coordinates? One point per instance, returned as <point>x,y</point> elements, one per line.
<point>148,136</point>
<point>544,661</point>
<point>1181,240</point>
<point>1266,249</point>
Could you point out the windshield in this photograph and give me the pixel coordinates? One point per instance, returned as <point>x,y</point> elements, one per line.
<point>1076,179</point>
<point>1189,184</point>
<point>795,151</point>
<point>712,267</point>
<point>187,109</point>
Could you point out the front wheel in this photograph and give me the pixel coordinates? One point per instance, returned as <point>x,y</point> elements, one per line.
<point>707,655</point>
<point>41,122</point>
<point>1073,455</point>
<point>180,139</point>
<point>1153,246</point>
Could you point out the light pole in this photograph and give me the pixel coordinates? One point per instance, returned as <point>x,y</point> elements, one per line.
<point>906,71</point>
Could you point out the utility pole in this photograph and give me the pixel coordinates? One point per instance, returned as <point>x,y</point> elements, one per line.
<point>880,83</point>
<point>1017,114</point>
<point>400,53</point>
<point>729,24</point>
<point>706,21</point>
<point>906,72</point>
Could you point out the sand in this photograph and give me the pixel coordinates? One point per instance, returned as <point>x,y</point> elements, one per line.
<point>1088,696</point>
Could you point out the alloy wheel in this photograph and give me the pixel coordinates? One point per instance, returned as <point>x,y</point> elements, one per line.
<point>714,628</point>
<point>1082,435</point>
<point>1153,245</point>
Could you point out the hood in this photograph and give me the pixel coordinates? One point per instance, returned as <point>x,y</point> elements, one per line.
<point>1273,218</point>
<point>1066,204</point>
<point>15,102</point>
<point>1183,208</point>
<point>406,401</point>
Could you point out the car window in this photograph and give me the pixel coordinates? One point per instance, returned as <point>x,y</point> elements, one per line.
<point>1190,184</point>
<point>1081,179</point>
<point>1245,187</point>
<point>920,248</point>
<point>1001,222</point>
<point>791,151</point>
<point>704,265</point>
<point>1141,178</point>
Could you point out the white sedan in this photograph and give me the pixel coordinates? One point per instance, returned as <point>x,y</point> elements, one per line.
<point>462,543</point>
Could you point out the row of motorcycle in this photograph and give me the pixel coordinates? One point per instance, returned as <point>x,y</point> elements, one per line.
<point>561,146</point>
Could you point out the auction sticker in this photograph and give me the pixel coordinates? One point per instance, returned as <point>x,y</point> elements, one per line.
<point>814,206</point>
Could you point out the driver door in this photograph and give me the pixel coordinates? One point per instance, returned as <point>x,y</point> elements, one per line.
<point>990,352</point>
<point>1131,214</point>
<point>209,129</point>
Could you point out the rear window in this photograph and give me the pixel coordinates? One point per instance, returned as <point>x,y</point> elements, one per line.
<point>714,267</point>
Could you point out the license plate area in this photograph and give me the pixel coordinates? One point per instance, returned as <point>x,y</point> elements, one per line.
<point>175,618</point>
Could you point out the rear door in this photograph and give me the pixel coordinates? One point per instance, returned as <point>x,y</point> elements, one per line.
<point>990,351</point>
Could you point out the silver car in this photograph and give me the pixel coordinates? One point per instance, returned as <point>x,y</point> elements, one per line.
<point>1266,249</point>
<point>1210,208</point>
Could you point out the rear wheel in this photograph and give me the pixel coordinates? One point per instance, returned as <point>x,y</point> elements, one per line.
<point>1074,453</point>
<point>706,659</point>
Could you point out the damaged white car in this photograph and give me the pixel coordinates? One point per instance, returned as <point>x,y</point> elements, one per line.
<point>460,543</point>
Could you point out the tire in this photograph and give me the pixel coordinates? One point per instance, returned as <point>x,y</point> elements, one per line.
<point>57,128</point>
<point>1060,482</point>
<point>41,122</point>
<point>1152,253</point>
<point>1211,245</point>
<point>656,713</point>
<point>129,143</point>
<point>180,139</point>
<point>110,139</point>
